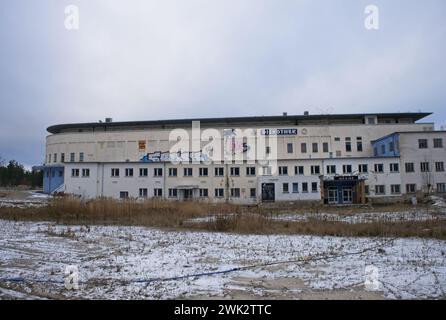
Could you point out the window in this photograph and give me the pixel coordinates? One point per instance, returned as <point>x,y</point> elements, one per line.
<point>438,143</point>
<point>367,189</point>
<point>303,147</point>
<point>203,172</point>
<point>359,144</point>
<point>325,147</point>
<point>411,188</point>
<point>289,147</point>
<point>235,171</point>
<point>394,167</point>
<point>395,189</point>
<point>305,187</point>
<point>143,172</point>
<point>424,166</point>
<point>315,170</point>
<point>72,157</point>
<point>266,171</point>
<point>61,173</point>
<point>331,169</point>
<point>49,158</point>
<point>187,172</point>
<point>219,172</point>
<point>143,192</point>
<point>347,168</point>
<point>62,157</point>
<point>123,194</point>
<point>235,192</point>
<point>441,187</point>
<point>298,170</point>
<point>85,173</point>
<point>157,192</point>
<point>422,143</point>
<point>81,157</point>
<point>379,168</point>
<point>409,167</point>
<point>285,187</point>
<point>439,166</point>
<point>315,147</point>
<point>348,145</point>
<point>55,157</point>
<point>380,189</point>
<point>251,171</point>
<point>267,150</point>
<point>295,187</point>
<point>115,172</point>
<point>158,172</point>
<point>173,193</point>
<point>203,193</point>
<point>219,193</point>
<point>371,120</point>
<point>363,168</point>
<point>252,192</point>
<point>314,187</point>
<point>75,172</point>
<point>383,149</point>
<point>337,139</point>
<point>391,146</point>
<point>129,172</point>
<point>173,172</point>
<point>283,171</point>
<point>375,151</point>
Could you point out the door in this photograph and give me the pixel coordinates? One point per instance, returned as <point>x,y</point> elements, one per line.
<point>187,194</point>
<point>268,192</point>
<point>333,195</point>
<point>347,195</point>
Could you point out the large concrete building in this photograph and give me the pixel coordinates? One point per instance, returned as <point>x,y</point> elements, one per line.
<point>334,159</point>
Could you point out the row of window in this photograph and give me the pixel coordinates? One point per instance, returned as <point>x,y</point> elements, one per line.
<point>235,192</point>
<point>424,143</point>
<point>396,188</point>
<point>62,157</point>
<point>295,187</point>
<point>203,193</point>
<point>283,170</point>
<point>325,147</point>
<point>290,149</point>
<point>424,166</point>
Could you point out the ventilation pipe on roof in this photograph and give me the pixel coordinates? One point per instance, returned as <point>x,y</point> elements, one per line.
<point>306,113</point>
<point>285,114</point>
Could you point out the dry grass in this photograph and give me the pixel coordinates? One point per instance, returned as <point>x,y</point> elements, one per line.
<point>220,217</point>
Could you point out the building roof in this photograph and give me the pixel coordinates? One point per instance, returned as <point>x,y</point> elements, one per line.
<point>285,119</point>
<point>407,132</point>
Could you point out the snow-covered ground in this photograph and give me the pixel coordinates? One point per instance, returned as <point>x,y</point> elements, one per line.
<point>24,199</point>
<point>365,217</point>
<point>114,262</point>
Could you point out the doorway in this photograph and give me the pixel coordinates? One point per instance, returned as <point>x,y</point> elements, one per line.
<point>347,195</point>
<point>268,192</point>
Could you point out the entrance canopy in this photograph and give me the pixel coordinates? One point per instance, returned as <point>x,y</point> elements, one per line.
<point>346,189</point>
<point>187,187</point>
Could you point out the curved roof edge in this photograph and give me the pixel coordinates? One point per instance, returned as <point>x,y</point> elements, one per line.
<point>59,127</point>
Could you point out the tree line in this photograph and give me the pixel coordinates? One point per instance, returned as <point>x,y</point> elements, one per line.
<point>14,174</point>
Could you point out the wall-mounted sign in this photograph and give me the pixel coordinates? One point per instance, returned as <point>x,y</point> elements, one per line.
<point>141,145</point>
<point>279,132</point>
<point>345,178</point>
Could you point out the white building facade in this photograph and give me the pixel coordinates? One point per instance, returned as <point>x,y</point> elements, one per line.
<point>333,159</point>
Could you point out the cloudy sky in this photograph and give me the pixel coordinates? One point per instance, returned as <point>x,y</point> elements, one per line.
<point>147,59</point>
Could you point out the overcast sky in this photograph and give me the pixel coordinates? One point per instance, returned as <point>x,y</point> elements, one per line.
<point>147,59</point>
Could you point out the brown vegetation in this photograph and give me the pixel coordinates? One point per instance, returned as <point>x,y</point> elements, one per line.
<point>215,217</point>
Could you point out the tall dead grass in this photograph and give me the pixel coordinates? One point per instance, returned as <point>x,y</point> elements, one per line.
<point>217,217</point>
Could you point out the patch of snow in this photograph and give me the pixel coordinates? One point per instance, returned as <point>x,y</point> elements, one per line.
<point>111,260</point>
